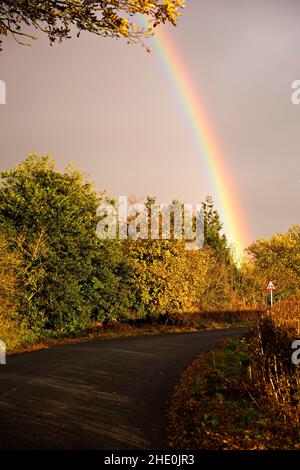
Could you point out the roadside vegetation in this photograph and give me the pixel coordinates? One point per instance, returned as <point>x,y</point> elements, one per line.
<point>245,395</point>
<point>59,280</point>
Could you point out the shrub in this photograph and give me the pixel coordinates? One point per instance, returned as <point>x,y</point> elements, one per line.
<point>276,378</point>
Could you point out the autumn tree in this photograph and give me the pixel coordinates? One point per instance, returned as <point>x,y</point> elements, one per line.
<point>166,277</point>
<point>278,259</point>
<point>107,18</point>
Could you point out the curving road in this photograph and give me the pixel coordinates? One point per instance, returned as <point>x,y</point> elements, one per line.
<point>106,394</point>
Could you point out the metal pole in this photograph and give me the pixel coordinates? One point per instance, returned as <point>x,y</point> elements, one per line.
<point>271,297</point>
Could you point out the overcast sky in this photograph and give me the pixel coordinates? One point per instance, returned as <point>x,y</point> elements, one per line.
<point>110,107</point>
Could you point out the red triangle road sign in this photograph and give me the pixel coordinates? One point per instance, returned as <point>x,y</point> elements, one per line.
<point>271,285</point>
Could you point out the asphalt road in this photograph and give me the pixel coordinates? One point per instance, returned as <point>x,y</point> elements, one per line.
<point>106,394</point>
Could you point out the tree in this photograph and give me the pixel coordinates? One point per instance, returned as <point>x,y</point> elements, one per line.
<point>113,293</point>
<point>159,276</point>
<point>212,228</point>
<point>54,213</point>
<point>277,259</point>
<point>108,18</point>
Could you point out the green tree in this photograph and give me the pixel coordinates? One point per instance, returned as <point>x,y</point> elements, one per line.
<point>114,296</point>
<point>37,200</point>
<point>108,18</point>
<point>212,228</point>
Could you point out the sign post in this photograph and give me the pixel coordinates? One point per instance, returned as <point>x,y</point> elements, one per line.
<point>271,287</point>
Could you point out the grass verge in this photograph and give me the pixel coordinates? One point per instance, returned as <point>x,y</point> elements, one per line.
<point>218,406</point>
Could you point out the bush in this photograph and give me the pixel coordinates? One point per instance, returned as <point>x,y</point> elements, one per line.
<point>276,378</point>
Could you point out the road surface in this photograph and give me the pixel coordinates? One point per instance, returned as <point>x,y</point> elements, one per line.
<point>105,394</point>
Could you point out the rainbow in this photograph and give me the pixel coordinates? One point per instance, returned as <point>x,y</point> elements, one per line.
<point>208,150</point>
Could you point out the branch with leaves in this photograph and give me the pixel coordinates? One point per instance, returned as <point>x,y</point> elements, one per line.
<point>58,18</point>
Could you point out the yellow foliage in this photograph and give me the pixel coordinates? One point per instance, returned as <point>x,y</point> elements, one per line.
<point>8,285</point>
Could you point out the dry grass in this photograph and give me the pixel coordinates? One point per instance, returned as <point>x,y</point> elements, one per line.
<point>276,377</point>
<point>286,315</point>
<point>232,317</point>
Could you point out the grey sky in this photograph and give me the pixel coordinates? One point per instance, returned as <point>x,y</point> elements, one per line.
<point>109,107</point>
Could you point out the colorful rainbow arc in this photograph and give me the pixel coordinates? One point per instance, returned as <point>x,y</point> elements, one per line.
<point>208,149</point>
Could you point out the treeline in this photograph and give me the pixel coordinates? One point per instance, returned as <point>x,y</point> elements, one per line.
<point>57,275</point>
